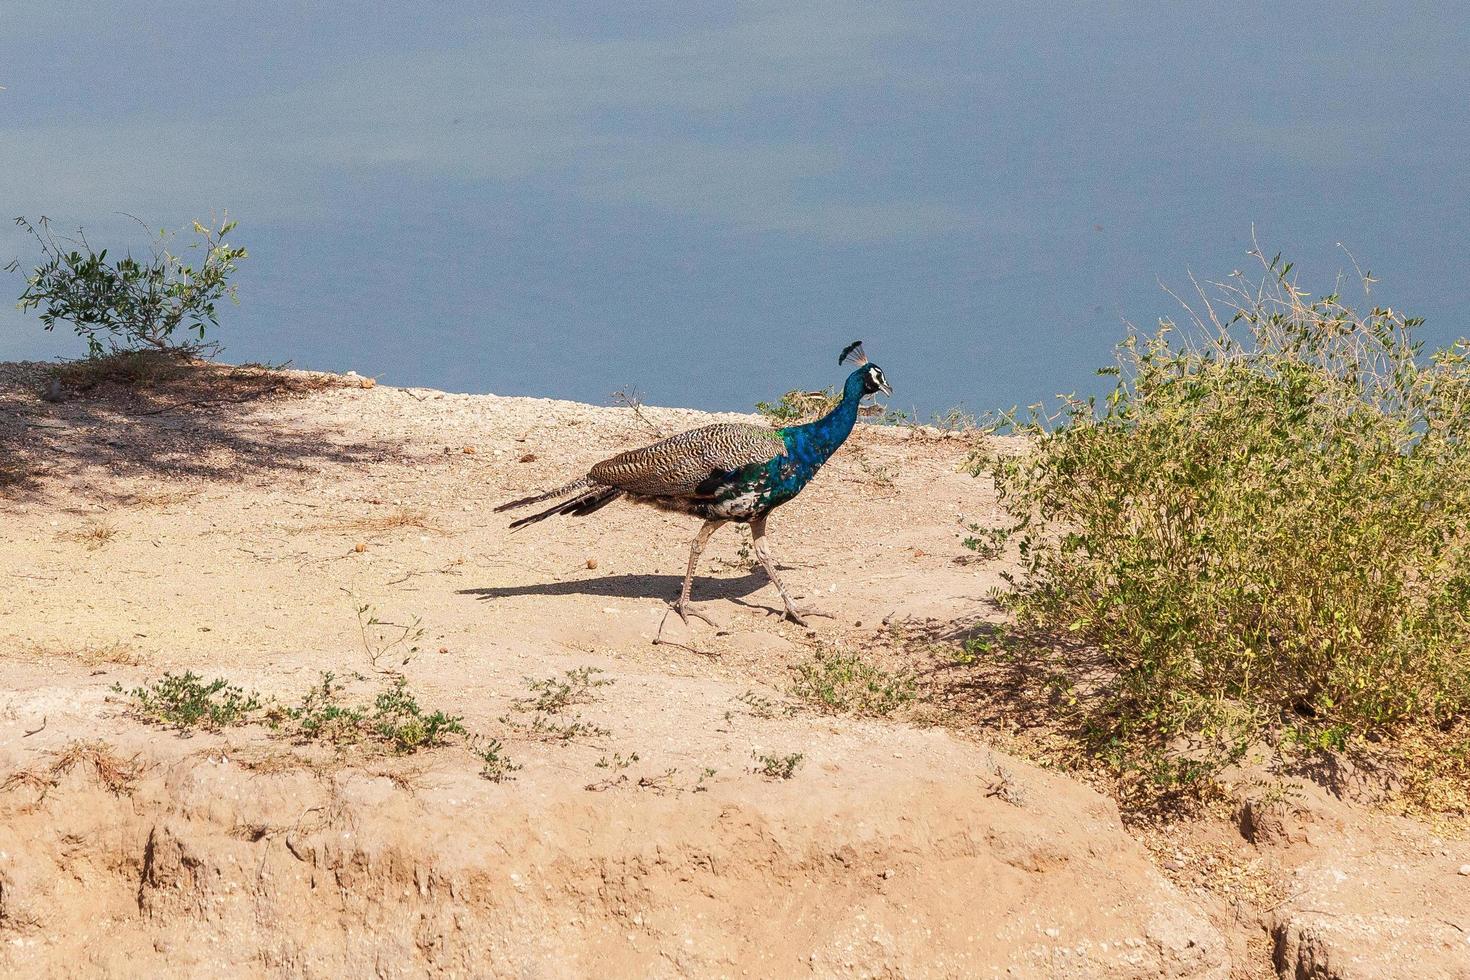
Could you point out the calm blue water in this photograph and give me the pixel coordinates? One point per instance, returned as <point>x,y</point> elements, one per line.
<point>708,205</point>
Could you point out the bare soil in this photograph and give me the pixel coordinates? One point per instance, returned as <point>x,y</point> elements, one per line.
<point>268,526</point>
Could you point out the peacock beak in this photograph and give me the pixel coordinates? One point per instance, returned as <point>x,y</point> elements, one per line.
<point>883,387</point>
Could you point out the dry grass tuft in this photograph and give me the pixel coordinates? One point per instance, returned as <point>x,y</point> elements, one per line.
<point>117,654</point>
<point>402,517</point>
<point>158,499</point>
<point>114,773</point>
<point>165,380</point>
<point>131,369</point>
<point>94,533</point>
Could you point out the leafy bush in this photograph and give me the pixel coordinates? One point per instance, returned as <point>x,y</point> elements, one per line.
<point>131,304</point>
<point>1261,529</point>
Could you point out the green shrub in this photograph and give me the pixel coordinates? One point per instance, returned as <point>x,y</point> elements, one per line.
<point>1262,528</point>
<point>131,304</point>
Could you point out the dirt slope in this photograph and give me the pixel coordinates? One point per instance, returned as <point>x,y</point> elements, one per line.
<point>214,530</point>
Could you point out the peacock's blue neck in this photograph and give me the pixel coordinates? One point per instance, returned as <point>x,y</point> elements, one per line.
<point>816,441</point>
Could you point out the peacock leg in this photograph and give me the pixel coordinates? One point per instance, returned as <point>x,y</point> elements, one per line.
<point>682,605</point>
<point>793,611</point>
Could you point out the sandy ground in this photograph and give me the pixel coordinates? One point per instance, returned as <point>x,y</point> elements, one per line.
<point>251,525</point>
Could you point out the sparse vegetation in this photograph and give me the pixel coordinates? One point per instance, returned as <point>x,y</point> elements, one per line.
<point>398,721</point>
<point>130,304</point>
<point>394,719</point>
<point>386,642</point>
<point>843,681</point>
<point>550,698</point>
<point>986,542</point>
<point>186,701</point>
<point>878,474</point>
<point>956,419</point>
<point>321,716</point>
<point>777,766</point>
<point>556,694</point>
<point>113,772</point>
<point>396,519</point>
<point>95,533</point>
<point>799,406</point>
<point>550,728</point>
<point>759,706</point>
<point>1261,530</point>
<point>130,368</point>
<point>495,764</point>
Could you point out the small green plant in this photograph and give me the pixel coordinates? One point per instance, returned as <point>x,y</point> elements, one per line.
<point>495,765</point>
<point>617,762</point>
<point>398,720</point>
<point>701,785</point>
<point>322,717</point>
<point>975,649</point>
<point>759,706</point>
<point>882,476</point>
<point>986,542</point>
<point>131,304</point>
<point>559,730</point>
<point>185,701</point>
<point>386,642</point>
<point>842,681</point>
<point>797,406</point>
<point>777,766</point>
<point>556,694</point>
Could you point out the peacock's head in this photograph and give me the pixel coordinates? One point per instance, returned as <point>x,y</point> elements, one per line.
<point>871,374</point>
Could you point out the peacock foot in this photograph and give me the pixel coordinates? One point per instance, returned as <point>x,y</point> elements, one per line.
<point>685,610</point>
<point>797,614</point>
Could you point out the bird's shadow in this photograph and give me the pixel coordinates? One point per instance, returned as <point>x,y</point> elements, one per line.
<point>662,587</point>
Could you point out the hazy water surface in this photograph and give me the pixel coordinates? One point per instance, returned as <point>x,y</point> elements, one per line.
<point>566,199</point>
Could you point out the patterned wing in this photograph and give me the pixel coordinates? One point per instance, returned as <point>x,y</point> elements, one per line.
<point>684,465</point>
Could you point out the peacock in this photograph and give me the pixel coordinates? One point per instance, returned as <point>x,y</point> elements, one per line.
<point>729,472</point>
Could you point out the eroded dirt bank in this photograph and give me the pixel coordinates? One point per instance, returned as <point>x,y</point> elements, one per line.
<point>259,538</point>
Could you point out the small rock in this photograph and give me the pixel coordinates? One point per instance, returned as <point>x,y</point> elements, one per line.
<point>887,873</point>
<point>369,382</point>
<point>528,458</point>
<point>591,562</point>
<point>443,649</point>
<point>359,547</point>
<point>1465,869</point>
<point>469,450</point>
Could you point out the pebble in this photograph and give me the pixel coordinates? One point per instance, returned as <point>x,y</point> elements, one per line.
<point>1465,869</point>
